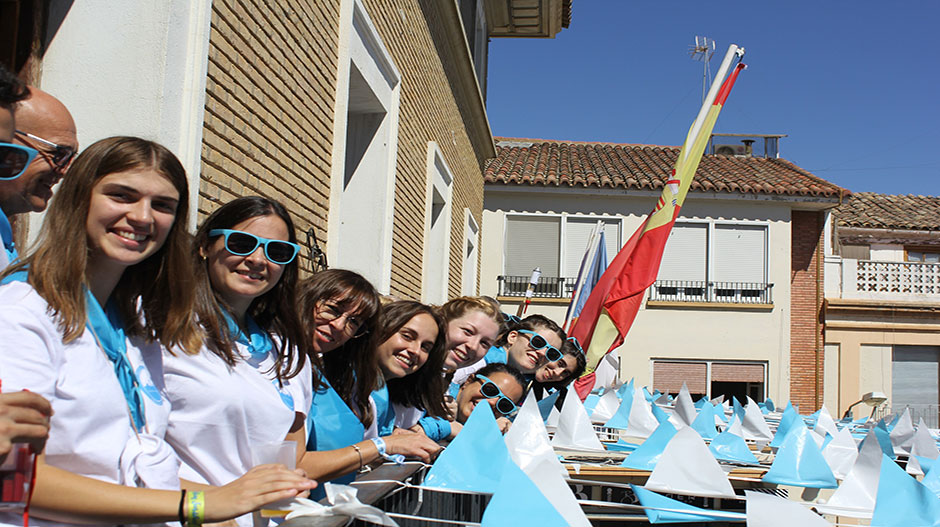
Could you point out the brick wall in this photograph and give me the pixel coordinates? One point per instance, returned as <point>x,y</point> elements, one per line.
<point>269,117</point>
<point>432,108</point>
<point>270,95</point>
<point>806,374</point>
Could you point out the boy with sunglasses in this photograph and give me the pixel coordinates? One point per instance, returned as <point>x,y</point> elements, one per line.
<point>500,385</point>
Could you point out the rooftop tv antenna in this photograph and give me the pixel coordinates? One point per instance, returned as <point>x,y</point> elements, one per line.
<point>703,50</point>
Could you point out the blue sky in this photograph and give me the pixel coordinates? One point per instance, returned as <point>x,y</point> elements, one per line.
<point>855,85</point>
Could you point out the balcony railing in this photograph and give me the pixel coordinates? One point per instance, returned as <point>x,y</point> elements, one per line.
<point>898,277</point>
<point>716,292</point>
<point>548,286</point>
<point>663,290</point>
<point>867,279</point>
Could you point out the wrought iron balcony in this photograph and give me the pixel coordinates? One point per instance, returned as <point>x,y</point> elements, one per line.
<point>716,292</point>
<point>548,286</point>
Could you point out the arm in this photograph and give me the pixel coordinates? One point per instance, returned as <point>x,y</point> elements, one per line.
<point>63,496</point>
<point>329,464</point>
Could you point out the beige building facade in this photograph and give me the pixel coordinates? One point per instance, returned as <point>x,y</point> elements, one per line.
<point>366,118</point>
<point>882,310</point>
<point>737,284</point>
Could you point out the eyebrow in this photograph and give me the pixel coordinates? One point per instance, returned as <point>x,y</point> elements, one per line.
<point>121,186</point>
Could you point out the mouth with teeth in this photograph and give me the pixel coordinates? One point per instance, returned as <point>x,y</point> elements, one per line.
<point>251,275</point>
<point>136,237</point>
<point>406,360</point>
<point>460,355</point>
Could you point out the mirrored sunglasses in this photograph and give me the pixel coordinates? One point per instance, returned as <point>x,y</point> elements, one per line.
<point>490,390</point>
<point>242,244</point>
<point>61,155</point>
<point>14,159</point>
<point>538,342</point>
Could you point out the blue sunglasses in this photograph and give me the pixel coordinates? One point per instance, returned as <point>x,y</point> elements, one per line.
<point>490,390</point>
<point>242,244</point>
<point>538,342</point>
<point>14,159</point>
<point>577,345</point>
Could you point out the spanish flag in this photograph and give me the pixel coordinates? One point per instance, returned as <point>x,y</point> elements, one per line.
<point>613,303</point>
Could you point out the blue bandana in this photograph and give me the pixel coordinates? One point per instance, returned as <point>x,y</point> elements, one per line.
<point>257,341</point>
<point>6,235</point>
<point>109,331</point>
<point>259,345</point>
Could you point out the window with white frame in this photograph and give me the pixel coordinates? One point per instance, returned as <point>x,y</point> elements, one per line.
<point>436,265</point>
<point>555,244</point>
<point>711,261</point>
<point>471,242</point>
<point>362,188</point>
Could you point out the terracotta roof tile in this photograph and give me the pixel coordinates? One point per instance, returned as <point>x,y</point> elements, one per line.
<point>890,211</point>
<point>644,167</point>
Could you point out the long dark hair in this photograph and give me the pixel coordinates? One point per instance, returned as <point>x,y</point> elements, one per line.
<point>352,361</point>
<point>160,287</point>
<point>532,323</point>
<point>424,388</point>
<point>275,311</point>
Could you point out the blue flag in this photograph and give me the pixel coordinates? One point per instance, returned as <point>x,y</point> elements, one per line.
<point>475,459</point>
<point>902,501</point>
<point>678,512</point>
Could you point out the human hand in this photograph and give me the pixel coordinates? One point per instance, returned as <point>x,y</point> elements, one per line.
<point>412,445</point>
<point>405,431</point>
<point>24,418</point>
<point>259,486</point>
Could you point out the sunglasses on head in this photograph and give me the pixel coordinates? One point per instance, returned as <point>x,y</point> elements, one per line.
<point>242,244</point>
<point>60,155</point>
<point>511,319</point>
<point>538,342</point>
<point>577,345</point>
<point>490,390</point>
<point>14,159</point>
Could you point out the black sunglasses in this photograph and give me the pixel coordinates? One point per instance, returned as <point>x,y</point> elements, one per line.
<point>538,342</point>
<point>242,244</point>
<point>490,390</point>
<point>61,155</point>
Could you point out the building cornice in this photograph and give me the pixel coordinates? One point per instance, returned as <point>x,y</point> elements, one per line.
<point>479,126</point>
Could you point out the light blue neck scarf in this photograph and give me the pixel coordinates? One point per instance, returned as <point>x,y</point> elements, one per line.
<point>109,332</point>
<point>257,341</point>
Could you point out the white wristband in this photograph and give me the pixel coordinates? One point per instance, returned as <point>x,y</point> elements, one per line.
<point>398,459</point>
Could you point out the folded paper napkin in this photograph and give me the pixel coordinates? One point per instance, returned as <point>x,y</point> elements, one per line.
<point>342,502</point>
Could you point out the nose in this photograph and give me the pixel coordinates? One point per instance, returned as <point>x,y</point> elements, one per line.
<point>256,257</point>
<point>339,323</point>
<point>141,213</point>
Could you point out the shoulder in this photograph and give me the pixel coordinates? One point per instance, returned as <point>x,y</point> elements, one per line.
<point>22,307</point>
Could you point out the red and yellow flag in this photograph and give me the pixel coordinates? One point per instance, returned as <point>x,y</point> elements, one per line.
<point>615,300</point>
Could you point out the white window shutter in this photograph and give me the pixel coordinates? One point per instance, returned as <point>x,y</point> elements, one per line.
<point>739,253</point>
<point>532,242</point>
<point>685,255</point>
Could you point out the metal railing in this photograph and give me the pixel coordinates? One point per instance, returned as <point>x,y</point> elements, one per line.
<point>716,292</point>
<point>548,286</point>
<point>930,413</point>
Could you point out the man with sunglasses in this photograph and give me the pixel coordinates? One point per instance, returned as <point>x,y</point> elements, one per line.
<point>45,134</point>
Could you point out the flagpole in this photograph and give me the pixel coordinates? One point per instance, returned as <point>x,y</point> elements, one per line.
<point>733,51</point>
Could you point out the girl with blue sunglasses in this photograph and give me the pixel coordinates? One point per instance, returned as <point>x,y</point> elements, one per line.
<point>250,384</point>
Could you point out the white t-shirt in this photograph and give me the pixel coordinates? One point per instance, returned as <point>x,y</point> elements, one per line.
<point>91,432</point>
<point>219,412</point>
